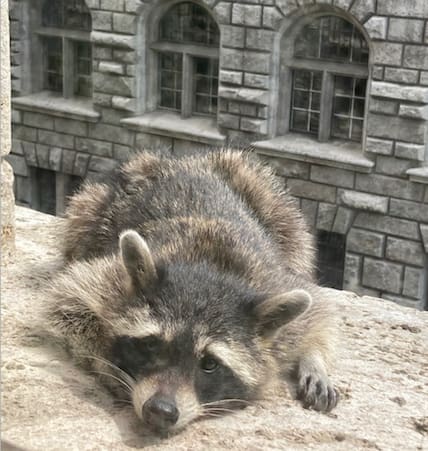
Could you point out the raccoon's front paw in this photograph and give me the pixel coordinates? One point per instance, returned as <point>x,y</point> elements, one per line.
<point>317,392</point>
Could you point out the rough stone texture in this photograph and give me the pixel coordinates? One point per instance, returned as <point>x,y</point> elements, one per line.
<point>47,404</point>
<point>364,242</point>
<point>382,275</point>
<point>363,201</point>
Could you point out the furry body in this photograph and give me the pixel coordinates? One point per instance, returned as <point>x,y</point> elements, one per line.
<point>207,297</point>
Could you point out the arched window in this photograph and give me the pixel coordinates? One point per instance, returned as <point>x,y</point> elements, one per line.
<point>67,52</point>
<point>187,52</point>
<point>329,71</point>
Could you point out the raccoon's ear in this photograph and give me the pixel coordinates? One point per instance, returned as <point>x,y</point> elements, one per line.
<point>275,312</point>
<point>137,259</point>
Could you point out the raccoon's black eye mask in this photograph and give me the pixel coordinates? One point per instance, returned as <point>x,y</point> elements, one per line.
<point>136,355</point>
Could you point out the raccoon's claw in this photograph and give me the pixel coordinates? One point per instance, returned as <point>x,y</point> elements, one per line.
<point>317,393</point>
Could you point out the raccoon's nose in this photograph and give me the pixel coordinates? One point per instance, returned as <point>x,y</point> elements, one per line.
<point>160,412</point>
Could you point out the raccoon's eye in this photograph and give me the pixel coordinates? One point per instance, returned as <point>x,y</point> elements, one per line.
<point>208,365</point>
<point>151,344</point>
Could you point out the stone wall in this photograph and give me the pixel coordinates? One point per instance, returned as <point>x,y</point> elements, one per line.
<point>375,193</point>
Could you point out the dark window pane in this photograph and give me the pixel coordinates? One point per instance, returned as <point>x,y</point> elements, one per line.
<point>306,101</point>
<point>348,108</point>
<point>331,259</point>
<point>170,80</point>
<point>82,69</point>
<point>331,38</point>
<point>205,85</point>
<point>189,22</point>
<point>52,65</point>
<point>70,14</point>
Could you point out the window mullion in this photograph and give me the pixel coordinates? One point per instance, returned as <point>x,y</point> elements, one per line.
<point>68,68</point>
<point>327,91</point>
<point>188,90</point>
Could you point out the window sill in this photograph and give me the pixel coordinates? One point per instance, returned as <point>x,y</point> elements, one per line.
<point>337,154</point>
<point>166,123</point>
<point>55,105</point>
<point>418,175</point>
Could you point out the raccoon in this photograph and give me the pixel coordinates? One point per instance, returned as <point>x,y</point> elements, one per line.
<point>189,289</point>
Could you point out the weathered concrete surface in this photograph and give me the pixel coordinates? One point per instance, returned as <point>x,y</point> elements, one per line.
<point>47,404</point>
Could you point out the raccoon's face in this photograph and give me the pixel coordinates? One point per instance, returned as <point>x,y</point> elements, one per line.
<point>193,342</point>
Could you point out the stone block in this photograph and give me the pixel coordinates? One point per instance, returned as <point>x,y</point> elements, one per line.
<point>424,234</point>
<point>93,4</point>
<point>272,18</point>
<point>18,164</point>
<point>256,80</point>
<point>257,96</point>
<point>407,76</point>
<point>363,201</point>
<point>410,151</point>
<point>113,5</point>
<point>388,225</point>
<point>382,275</point>
<point>387,53</point>
<point>94,147</point>
<point>393,166</point>
<point>405,251</point>
<point>223,11</point>
<point>70,126</point>
<point>68,157</point>
<point>325,216</point>
<point>30,153</point>
<point>416,57</point>
<point>56,139</point>
<point>100,164</point>
<point>184,148</point>
<point>399,92</point>
<point>123,103</point>
<point>365,242</point>
<point>405,30</point>
<point>332,176</point>
<point>259,39</point>
<point>424,78</point>
<point>256,62</point>
<point>110,67</point>
<point>38,120</point>
<point>55,158</point>
<point>17,148</point>
<point>413,282</point>
<point>111,133</point>
<point>381,184</point>
<point>42,156</point>
<point>113,39</point>
<point>254,125</point>
<point>249,15</point>
<point>232,77</point>
<point>16,116</point>
<point>410,8</point>
<point>309,209</point>
<point>125,56</point>
<point>408,210</point>
<point>122,153</point>
<point>101,99</point>
<point>233,36</point>
<point>310,190</point>
<point>376,27</point>
<point>362,9</point>
<point>133,6</point>
<point>228,121</point>
<point>414,112</point>
<point>25,133</point>
<point>286,6</point>
<point>398,128</point>
<point>102,20</point>
<point>379,146</point>
<point>377,72</point>
<point>343,220</point>
<point>114,84</point>
<point>243,109</point>
<point>23,190</point>
<point>287,168</point>
<point>232,59</point>
<point>124,23</point>
<point>352,272</point>
<point>102,53</point>
<point>81,163</point>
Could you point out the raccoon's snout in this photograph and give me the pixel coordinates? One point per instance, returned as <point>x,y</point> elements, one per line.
<point>160,412</point>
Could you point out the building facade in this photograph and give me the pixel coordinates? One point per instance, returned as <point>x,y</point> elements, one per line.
<point>332,93</point>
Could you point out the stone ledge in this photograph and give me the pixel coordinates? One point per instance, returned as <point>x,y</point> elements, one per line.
<point>50,405</point>
<point>338,154</point>
<point>55,105</point>
<point>166,123</point>
<point>418,175</point>
<point>399,92</point>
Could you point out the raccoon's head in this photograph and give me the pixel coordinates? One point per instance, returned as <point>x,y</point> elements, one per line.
<point>192,341</point>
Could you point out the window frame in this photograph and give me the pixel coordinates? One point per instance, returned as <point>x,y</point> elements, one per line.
<point>329,69</point>
<point>189,52</point>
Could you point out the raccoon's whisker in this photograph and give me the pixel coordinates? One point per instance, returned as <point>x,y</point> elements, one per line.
<point>128,387</point>
<point>226,401</point>
<point>126,377</point>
